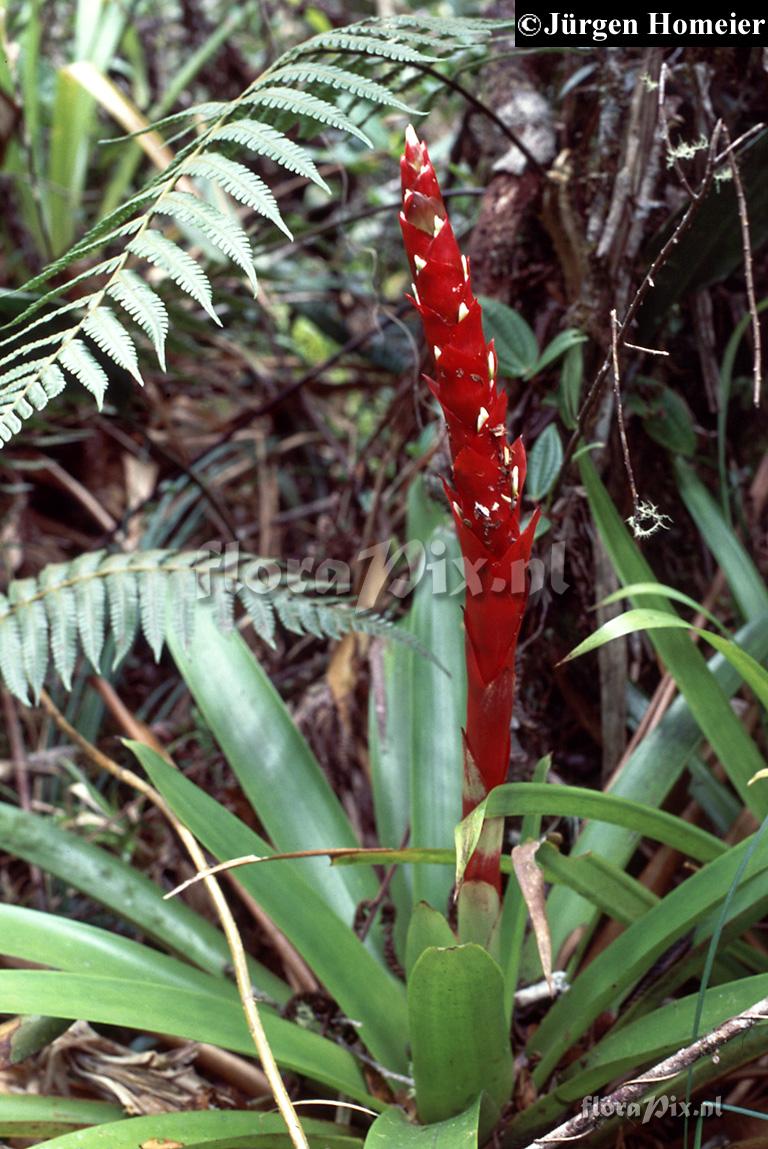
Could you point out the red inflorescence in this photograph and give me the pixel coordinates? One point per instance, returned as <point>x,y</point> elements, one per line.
<point>488,471</point>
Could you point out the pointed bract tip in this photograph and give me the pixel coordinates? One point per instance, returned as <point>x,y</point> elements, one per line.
<point>411,138</point>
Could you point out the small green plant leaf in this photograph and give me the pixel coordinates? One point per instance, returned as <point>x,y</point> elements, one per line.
<point>515,342</point>
<point>544,462</point>
<point>569,395</point>
<point>564,342</point>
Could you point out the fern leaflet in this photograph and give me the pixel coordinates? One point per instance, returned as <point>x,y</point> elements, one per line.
<point>73,606</point>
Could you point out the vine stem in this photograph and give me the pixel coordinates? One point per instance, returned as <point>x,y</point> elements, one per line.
<point>228,924</point>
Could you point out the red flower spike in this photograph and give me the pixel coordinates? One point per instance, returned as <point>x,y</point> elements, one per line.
<point>487,481</point>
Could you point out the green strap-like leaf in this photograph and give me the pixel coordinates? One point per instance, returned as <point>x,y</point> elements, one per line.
<point>206,1129</point>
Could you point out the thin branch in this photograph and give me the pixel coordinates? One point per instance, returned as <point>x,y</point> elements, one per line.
<point>234,941</point>
<point>590,1117</point>
<point>620,410</point>
<point>647,283</point>
<point>749,277</point>
<point>671,151</point>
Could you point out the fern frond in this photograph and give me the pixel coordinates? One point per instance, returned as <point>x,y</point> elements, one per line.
<point>311,73</point>
<point>222,230</point>
<point>79,361</point>
<point>239,182</point>
<point>12,662</point>
<point>144,307</point>
<point>354,41</point>
<point>74,606</point>
<point>61,608</point>
<point>303,105</point>
<point>157,249</point>
<point>380,59</point>
<point>108,333</point>
<point>33,632</point>
<point>266,141</point>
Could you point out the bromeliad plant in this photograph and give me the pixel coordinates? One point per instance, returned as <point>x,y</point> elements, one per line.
<point>432,1047</point>
<point>485,490</point>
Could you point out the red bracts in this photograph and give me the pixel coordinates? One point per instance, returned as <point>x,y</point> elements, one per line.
<point>486,482</point>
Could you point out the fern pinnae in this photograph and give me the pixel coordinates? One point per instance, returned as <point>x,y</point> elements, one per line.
<point>153,585</point>
<point>108,333</point>
<point>222,603</point>
<point>338,79</point>
<point>305,105</point>
<point>33,632</point>
<point>344,41</point>
<point>268,141</point>
<point>52,380</point>
<point>184,593</point>
<point>260,613</point>
<point>61,608</point>
<point>123,601</point>
<point>78,360</point>
<point>11,656</point>
<point>239,182</point>
<point>221,229</point>
<point>90,602</point>
<point>157,249</point>
<point>145,308</point>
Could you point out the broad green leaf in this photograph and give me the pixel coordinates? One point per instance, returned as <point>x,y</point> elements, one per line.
<point>393,1129</point>
<point>515,342</point>
<point>127,892</point>
<point>183,1012</point>
<point>668,421</point>
<point>709,705</point>
<point>28,1115</point>
<point>459,1034</point>
<point>212,1129</point>
<point>544,462</point>
<point>273,763</point>
<point>653,1037</point>
<point>641,619</point>
<point>608,887</point>
<point>286,890</point>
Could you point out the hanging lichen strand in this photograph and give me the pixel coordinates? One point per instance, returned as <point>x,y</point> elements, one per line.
<point>486,483</point>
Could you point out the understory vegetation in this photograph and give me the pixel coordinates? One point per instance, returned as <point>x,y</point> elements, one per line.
<point>383,615</point>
